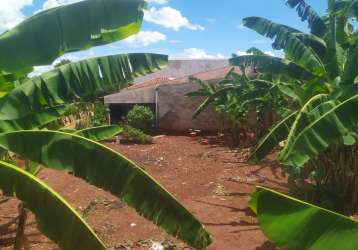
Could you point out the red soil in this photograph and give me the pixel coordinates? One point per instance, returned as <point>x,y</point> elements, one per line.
<point>210,179</point>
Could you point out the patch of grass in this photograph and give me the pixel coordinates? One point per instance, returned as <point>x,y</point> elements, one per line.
<point>136,136</point>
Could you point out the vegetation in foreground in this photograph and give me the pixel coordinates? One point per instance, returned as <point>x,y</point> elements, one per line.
<point>30,104</point>
<point>316,83</point>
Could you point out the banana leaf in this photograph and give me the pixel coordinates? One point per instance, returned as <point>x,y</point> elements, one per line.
<point>83,80</point>
<point>302,119</point>
<point>296,225</point>
<point>67,130</point>
<point>293,90</point>
<point>331,123</point>
<point>107,169</point>
<point>212,98</point>
<point>286,38</point>
<point>32,121</point>
<point>255,51</point>
<point>272,65</point>
<point>306,12</point>
<point>100,133</point>
<point>350,70</point>
<point>55,217</point>
<point>42,38</point>
<point>278,133</point>
<point>349,8</point>
<point>5,87</point>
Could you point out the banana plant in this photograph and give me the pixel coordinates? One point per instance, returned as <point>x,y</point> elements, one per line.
<point>249,101</point>
<point>323,57</point>
<point>320,67</point>
<point>45,36</point>
<point>292,224</point>
<point>33,103</point>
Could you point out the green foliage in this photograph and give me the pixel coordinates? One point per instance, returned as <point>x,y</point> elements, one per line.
<point>306,12</point>
<point>287,38</point>
<point>100,133</point>
<point>255,51</point>
<point>39,40</point>
<point>79,81</point>
<point>249,102</point>
<point>136,135</point>
<point>293,224</point>
<point>319,83</point>
<point>99,117</point>
<point>38,101</point>
<point>35,120</point>
<point>53,214</point>
<point>277,134</point>
<point>140,117</point>
<point>319,135</point>
<point>107,169</point>
<point>272,65</point>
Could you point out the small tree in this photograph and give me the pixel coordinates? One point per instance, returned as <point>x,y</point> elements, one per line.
<point>141,117</point>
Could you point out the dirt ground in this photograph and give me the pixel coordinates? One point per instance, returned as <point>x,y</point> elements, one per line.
<point>211,179</point>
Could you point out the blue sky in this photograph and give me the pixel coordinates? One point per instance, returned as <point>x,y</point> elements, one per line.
<point>184,28</point>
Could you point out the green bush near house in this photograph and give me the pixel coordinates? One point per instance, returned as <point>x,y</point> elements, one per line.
<point>140,117</point>
<point>136,135</point>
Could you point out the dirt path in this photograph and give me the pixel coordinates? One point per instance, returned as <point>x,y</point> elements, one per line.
<point>211,180</point>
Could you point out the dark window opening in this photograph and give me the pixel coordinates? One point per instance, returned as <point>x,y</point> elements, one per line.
<point>119,111</point>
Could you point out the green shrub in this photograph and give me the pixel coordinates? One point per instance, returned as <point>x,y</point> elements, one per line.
<point>136,135</point>
<point>99,117</point>
<point>140,117</point>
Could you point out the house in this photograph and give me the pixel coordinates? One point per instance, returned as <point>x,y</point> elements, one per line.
<point>165,93</point>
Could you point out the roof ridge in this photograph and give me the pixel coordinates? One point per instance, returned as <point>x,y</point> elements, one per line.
<point>164,80</point>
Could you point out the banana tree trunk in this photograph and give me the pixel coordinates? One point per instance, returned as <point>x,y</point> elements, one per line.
<point>20,240</point>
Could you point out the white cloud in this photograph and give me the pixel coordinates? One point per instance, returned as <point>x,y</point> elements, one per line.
<point>10,13</point>
<point>158,1</point>
<point>270,53</point>
<point>244,53</point>
<point>50,4</point>
<point>170,18</point>
<point>145,38</point>
<point>55,3</point>
<point>38,70</point>
<point>195,53</point>
<point>241,27</point>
